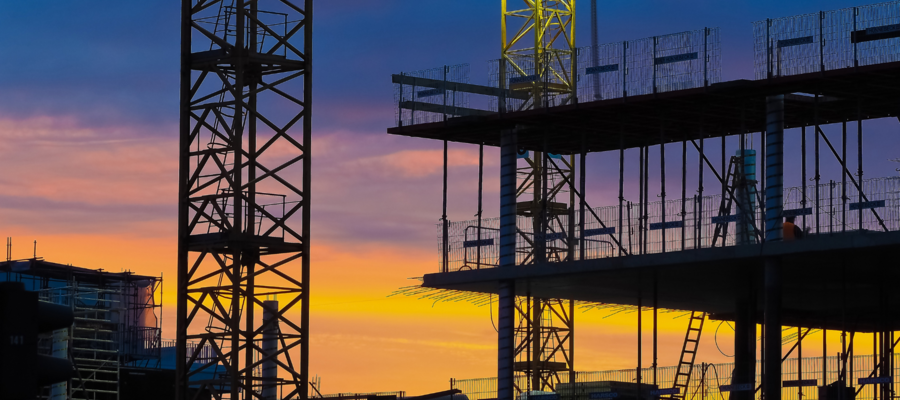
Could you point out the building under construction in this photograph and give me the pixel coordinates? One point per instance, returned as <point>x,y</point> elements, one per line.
<point>720,242</point>
<point>116,329</point>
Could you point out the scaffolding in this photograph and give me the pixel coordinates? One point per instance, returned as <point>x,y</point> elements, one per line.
<point>117,322</point>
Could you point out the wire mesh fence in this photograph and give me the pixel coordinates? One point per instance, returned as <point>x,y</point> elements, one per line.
<point>534,81</point>
<point>706,380</point>
<point>698,222</point>
<point>800,44</point>
<point>827,40</point>
<point>655,64</point>
<point>427,97</point>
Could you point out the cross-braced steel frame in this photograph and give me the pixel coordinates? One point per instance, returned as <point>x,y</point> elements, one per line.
<point>545,327</point>
<point>541,51</point>
<point>244,185</point>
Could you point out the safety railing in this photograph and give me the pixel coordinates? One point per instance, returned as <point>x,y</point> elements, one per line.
<point>706,380</point>
<point>698,222</point>
<point>827,40</point>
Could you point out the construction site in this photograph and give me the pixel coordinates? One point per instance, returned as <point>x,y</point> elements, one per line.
<point>762,216</point>
<point>729,242</point>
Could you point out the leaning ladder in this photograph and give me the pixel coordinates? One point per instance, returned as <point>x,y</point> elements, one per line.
<point>688,354</point>
<point>727,200</point>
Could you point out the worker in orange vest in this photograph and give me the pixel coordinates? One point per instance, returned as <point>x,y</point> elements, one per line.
<point>791,231</point>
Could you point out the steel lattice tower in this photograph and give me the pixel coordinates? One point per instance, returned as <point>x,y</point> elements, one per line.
<point>540,59</point>
<point>544,347</point>
<point>244,185</point>
<point>541,48</point>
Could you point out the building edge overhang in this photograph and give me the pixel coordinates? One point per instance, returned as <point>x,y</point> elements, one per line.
<point>711,279</point>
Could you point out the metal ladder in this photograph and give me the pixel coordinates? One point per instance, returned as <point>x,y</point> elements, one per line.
<point>688,354</point>
<point>736,180</point>
<point>727,200</point>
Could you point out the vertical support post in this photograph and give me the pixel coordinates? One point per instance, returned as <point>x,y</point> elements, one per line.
<point>705,57</point>
<point>655,329</point>
<point>646,216</point>
<point>307,186</point>
<point>445,234</point>
<point>799,361</point>
<point>859,158</point>
<point>655,39</point>
<point>501,101</point>
<point>683,191</point>
<point>572,340</point>
<point>844,172</point>
<point>400,103</point>
<point>774,187</point>
<point>640,338</point>
<point>184,144</point>
<point>768,50</point>
<point>772,329</point>
<point>251,258</point>
<point>622,183</point>
<point>774,169</point>
<point>855,56</point>
<point>662,183</point>
<point>537,354</point>
<point>724,172</point>
<point>821,42</point>
<point>625,70</point>
<point>480,196</point>
<point>817,177</point>
<point>745,335</point>
<point>581,204</point>
<point>545,202</point>
<point>700,188</point>
<point>595,57</point>
<point>444,93</point>
<point>641,172</point>
<point>824,357</point>
<point>269,349</point>
<point>506,289</point>
<point>803,172</point>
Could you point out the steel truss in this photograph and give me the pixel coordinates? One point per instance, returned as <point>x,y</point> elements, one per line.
<point>545,327</point>
<point>544,66</point>
<point>243,223</point>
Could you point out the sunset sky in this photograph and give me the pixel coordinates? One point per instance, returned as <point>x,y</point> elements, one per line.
<point>88,146</point>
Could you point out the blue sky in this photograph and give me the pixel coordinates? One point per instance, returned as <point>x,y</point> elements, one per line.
<point>88,146</point>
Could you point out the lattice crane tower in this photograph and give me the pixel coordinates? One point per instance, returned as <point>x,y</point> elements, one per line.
<point>244,190</point>
<point>540,59</point>
<point>541,53</point>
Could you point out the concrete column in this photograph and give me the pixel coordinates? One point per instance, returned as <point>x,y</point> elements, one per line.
<point>506,290</point>
<point>774,166</point>
<point>745,337</point>
<point>270,346</point>
<point>772,320</point>
<point>774,205</point>
<point>746,198</point>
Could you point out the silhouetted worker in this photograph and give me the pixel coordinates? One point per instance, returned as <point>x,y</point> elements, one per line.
<point>791,231</point>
